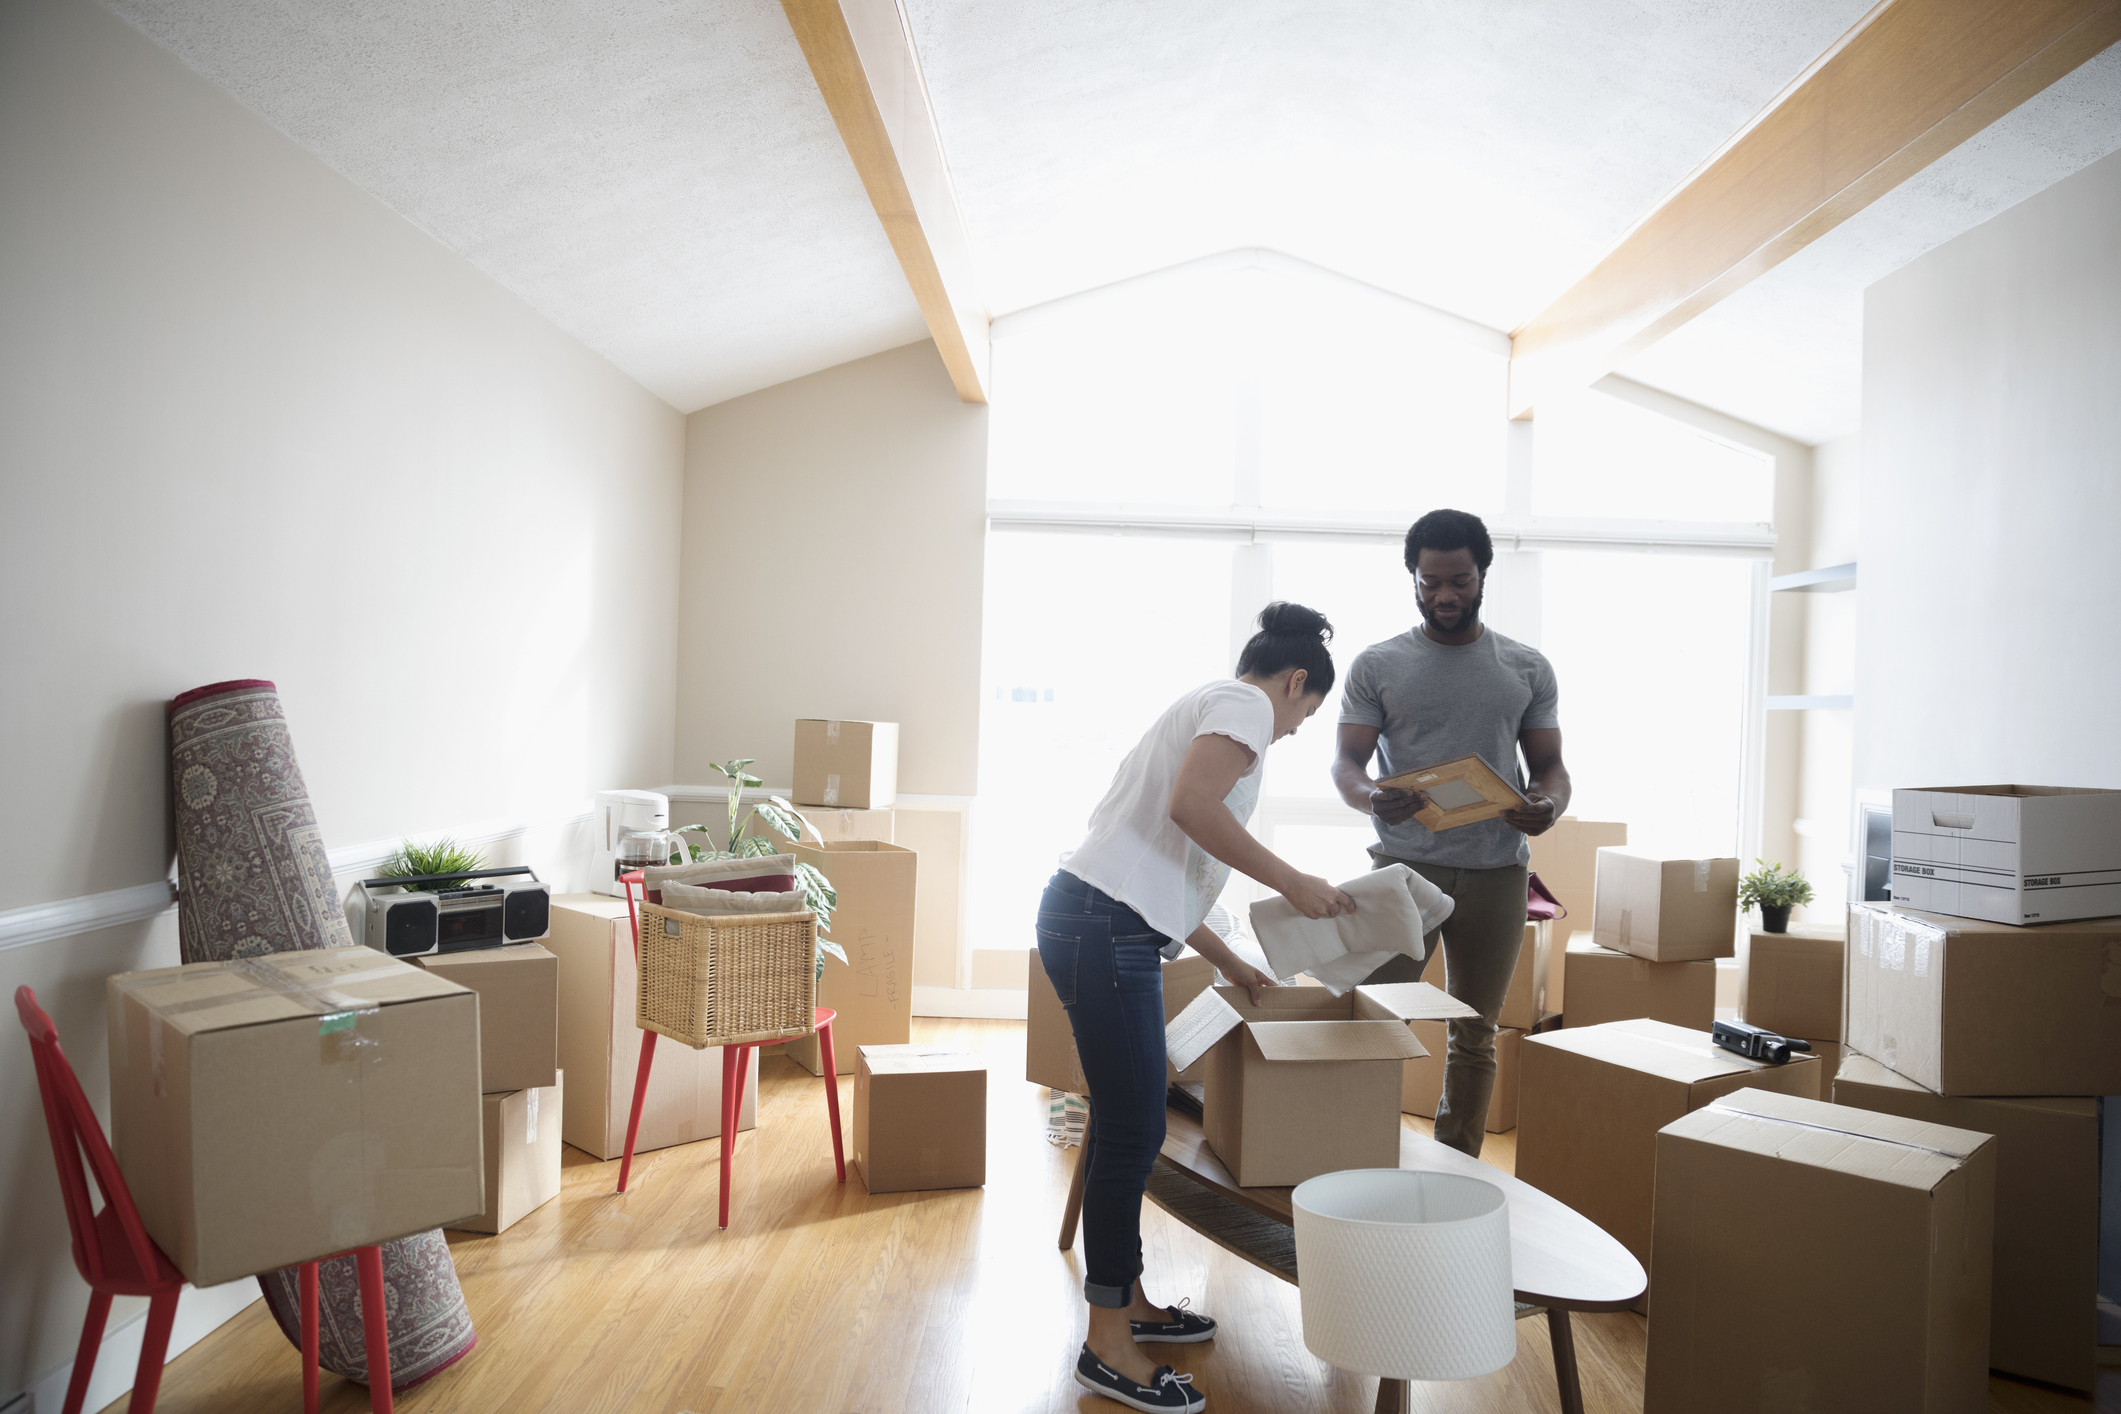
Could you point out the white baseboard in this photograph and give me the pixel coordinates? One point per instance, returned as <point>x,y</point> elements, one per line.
<point>994,1002</point>
<point>199,1314</point>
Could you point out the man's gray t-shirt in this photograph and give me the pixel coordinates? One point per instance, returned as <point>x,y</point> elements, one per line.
<point>1433,703</point>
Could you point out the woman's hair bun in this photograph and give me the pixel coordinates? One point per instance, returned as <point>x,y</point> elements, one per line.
<point>1283,618</point>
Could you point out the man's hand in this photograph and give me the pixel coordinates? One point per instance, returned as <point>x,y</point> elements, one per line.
<point>1315,898</point>
<point>1536,818</point>
<point>1240,973</point>
<point>1395,806</point>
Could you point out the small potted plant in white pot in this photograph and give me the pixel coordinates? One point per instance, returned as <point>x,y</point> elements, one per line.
<point>1775,891</point>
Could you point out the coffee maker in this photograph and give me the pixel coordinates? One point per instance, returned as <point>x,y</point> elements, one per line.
<point>620,813</point>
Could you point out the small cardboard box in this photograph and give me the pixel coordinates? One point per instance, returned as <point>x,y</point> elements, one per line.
<point>2008,854</point>
<point>2044,1312</point>
<point>519,1012</point>
<point>1964,1007</point>
<point>1421,1084</point>
<point>522,1155</point>
<point>1666,910</point>
<point>920,1118</point>
<point>872,991</point>
<point>1305,1083</point>
<point>1565,857</point>
<point>1791,982</point>
<point>1612,986</point>
<point>1810,1256</point>
<point>1590,1101</point>
<point>1049,1039</point>
<point>600,1046</point>
<point>852,765</point>
<point>273,1110</point>
<point>1526,1001</point>
<point>1830,1055</point>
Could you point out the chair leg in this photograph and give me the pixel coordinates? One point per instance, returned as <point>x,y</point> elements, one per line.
<point>732,1107</point>
<point>640,1093</point>
<point>154,1348</point>
<point>85,1356</point>
<point>832,1096</point>
<point>375,1326</point>
<point>308,1279</point>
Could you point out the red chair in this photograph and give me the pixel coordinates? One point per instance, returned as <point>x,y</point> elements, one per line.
<point>115,1256</point>
<point>736,1073</point>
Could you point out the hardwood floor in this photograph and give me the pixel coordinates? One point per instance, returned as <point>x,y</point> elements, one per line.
<point>820,1299</point>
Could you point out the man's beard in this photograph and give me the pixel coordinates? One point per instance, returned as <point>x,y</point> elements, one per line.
<point>1469,615</point>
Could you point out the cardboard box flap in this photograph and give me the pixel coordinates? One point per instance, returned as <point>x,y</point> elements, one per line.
<point>917,1059</point>
<point>478,957</point>
<point>1883,1148</point>
<point>249,991</point>
<point>1207,1019</point>
<point>1654,1047</point>
<point>1336,1040</point>
<point>1411,1001</point>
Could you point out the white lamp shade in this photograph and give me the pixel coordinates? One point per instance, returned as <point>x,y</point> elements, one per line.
<point>1405,1275</point>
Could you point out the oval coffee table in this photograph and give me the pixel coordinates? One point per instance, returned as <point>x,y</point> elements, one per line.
<point>1561,1261</point>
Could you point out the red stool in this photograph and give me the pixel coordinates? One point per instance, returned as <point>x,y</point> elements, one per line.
<point>115,1256</point>
<point>736,1073</point>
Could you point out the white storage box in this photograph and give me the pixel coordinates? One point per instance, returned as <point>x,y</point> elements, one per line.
<point>2008,854</point>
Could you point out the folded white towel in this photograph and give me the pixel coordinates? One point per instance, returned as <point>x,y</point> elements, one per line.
<point>1395,908</point>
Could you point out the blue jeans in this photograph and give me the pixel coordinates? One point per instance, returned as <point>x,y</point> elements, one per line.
<point>1104,961</point>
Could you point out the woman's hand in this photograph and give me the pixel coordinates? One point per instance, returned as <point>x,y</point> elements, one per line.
<point>1314,897</point>
<point>1244,974</point>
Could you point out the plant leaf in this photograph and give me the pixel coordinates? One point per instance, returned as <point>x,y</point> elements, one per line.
<point>802,820</point>
<point>835,949</point>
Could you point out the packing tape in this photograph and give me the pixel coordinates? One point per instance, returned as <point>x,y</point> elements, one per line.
<point>832,733</point>
<point>530,1119</point>
<point>1729,1109</point>
<point>832,785</point>
<point>321,997</point>
<point>1701,876</point>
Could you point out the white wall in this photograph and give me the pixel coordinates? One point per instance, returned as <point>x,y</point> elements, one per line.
<point>834,549</point>
<point>243,407</point>
<point>1991,502</point>
<point>1824,799</point>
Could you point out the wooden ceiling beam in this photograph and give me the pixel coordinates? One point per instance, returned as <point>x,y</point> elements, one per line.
<point>1911,81</point>
<point>861,54</point>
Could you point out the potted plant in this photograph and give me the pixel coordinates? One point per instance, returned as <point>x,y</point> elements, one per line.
<point>1775,891</point>
<point>746,841</point>
<point>444,856</point>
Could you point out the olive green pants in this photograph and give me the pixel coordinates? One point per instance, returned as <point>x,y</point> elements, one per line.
<point>1480,941</point>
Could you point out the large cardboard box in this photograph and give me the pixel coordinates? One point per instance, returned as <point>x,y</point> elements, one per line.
<point>600,1046</point>
<point>1590,1101</point>
<point>1565,858</point>
<point>1964,1007</point>
<point>920,1118</point>
<point>1791,982</point>
<point>273,1110</point>
<point>522,1129</point>
<point>872,991</point>
<point>1302,1084</point>
<point>1809,1256</point>
<point>2009,854</point>
<point>1049,1041</point>
<point>1526,1001</point>
<point>519,1012</point>
<point>1612,986</point>
<point>1666,910</point>
<point>853,765</point>
<point>2044,1312</point>
<point>1421,1082</point>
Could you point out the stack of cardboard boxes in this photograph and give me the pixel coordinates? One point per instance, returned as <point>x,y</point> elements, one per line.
<point>1657,927</point>
<point>1791,985</point>
<point>1565,858</point>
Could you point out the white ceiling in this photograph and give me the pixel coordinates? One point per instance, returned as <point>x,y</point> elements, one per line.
<point>663,181</point>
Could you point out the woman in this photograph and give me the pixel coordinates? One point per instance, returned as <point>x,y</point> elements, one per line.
<point>1160,847</point>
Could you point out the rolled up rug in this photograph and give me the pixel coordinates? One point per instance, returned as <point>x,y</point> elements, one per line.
<point>253,878</point>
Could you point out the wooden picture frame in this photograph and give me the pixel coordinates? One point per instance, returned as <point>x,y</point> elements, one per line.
<point>1472,791</point>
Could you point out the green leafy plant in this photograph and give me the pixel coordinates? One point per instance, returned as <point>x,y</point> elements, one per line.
<point>444,856</point>
<point>747,839</point>
<point>1772,886</point>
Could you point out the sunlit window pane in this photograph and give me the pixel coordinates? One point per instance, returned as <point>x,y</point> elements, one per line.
<point>1599,456</point>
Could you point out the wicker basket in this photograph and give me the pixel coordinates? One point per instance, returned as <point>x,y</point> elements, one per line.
<point>729,978</point>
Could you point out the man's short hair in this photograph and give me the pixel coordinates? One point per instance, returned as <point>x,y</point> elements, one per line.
<point>1449,530</point>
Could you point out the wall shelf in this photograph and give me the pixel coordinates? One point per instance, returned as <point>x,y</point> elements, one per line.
<point>1834,579</point>
<point>1827,703</point>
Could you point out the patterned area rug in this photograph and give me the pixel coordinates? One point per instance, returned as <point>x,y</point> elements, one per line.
<point>253,878</point>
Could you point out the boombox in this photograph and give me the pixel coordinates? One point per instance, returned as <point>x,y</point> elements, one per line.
<point>462,915</point>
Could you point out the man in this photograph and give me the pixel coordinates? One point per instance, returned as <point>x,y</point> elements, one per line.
<point>1452,687</point>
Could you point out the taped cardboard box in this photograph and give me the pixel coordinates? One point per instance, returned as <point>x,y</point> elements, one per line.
<point>1666,910</point>
<point>872,991</point>
<point>920,1118</point>
<point>1565,857</point>
<point>1965,1007</point>
<point>852,765</point>
<point>1049,1041</point>
<point>1590,1101</point>
<point>1612,986</point>
<point>1830,1054</point>
<point>519,1012</point>
<point>1809,1256</point>
<point>1305,1083</point>
<point>2008,854</point>
<point>1421,1084</point>
<point>2044,1307</point>
<point>600,1046</point>
<point>273,1110</point>
<point>522,1141</point>
<point>1526,1001</point>
<point>1791,982</point>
